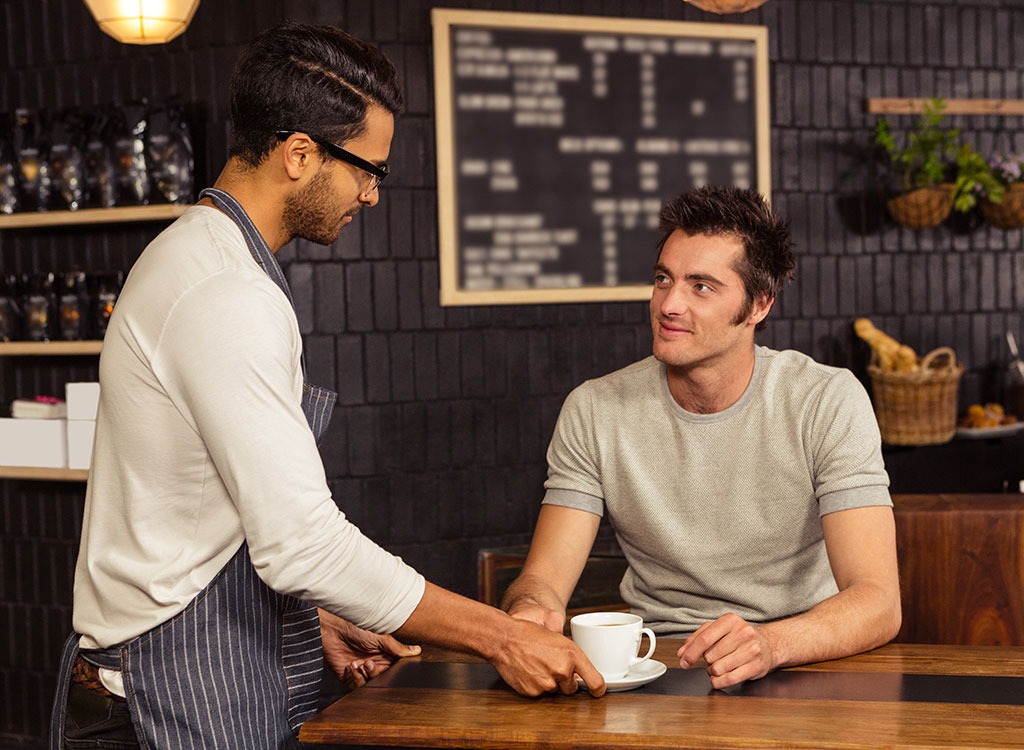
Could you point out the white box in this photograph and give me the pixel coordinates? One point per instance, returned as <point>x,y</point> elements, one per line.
<point>83,400</point>
<point>81,433</point>
<point>34,442</point>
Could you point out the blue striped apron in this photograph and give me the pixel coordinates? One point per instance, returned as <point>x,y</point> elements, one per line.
<point>240,666</point>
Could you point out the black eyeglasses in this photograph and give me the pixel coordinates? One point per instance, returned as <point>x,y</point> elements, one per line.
<point>376,171</point>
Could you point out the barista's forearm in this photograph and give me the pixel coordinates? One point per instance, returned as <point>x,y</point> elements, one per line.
<point>445,619</point>
<point>531,659</point>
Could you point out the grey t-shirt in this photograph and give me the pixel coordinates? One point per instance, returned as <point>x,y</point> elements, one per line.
<point>720,512</point>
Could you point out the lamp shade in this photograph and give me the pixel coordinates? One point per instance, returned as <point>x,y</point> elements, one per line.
<point>726,6</point>
<point>143,21</point>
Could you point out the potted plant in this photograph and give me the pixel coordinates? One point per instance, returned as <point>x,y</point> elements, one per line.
<point>974,179</point>
<point>1005,209</point>
<point>973,183</point>
<point>923,165</point>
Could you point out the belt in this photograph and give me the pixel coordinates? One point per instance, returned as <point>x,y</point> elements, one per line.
<point>87,674</point>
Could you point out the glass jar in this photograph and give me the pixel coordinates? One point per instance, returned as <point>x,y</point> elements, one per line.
<point>40,304</point>
<point>73,306</point>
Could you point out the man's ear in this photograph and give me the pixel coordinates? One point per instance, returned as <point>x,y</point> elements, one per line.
<point>762,306</point>
<point>297,154</point>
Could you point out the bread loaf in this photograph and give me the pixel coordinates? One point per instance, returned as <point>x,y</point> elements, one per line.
<point>890,353</point>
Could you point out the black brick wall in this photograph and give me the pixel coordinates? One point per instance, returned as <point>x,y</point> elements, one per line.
<point>438,449</point>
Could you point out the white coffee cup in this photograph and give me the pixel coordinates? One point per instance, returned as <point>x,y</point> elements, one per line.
<point>611,641</point>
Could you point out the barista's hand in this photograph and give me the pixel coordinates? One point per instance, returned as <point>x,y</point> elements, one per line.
<point>733,649</point>
<point>357,655</point>
<point>534,661</point>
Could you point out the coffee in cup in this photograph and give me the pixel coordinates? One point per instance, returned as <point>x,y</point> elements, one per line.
<point>611,641</point>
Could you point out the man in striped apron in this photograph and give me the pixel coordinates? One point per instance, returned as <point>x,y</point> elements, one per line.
<point>210,537</point>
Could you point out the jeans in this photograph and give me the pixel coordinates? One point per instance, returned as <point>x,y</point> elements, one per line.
<point>97,722</point>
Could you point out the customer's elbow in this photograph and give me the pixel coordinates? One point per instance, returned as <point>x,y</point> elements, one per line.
<point>891,620</point>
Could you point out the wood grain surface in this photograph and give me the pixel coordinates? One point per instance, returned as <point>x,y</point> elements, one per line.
<point>961,568</point>
<point>905,106</point>
<point>495,718</point>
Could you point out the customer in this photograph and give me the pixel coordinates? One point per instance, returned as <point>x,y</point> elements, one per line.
<point>745,485</point>
<point>210,535</point>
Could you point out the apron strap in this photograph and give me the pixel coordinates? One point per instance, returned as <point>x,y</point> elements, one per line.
<point>317,401</point>
<point>257,245</point>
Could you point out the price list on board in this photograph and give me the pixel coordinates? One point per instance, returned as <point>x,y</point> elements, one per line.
<point>565,144</point>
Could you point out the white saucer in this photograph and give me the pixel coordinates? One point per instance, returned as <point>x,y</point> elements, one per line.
<point>641,674</point>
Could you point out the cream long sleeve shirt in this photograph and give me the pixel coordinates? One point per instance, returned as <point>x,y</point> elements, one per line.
<point>201,444</point>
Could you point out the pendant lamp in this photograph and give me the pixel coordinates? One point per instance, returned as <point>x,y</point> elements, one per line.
<point>726,6</point>
<point>143,21</point>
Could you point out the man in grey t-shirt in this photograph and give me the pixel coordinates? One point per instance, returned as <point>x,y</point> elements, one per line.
<point>745,485</point>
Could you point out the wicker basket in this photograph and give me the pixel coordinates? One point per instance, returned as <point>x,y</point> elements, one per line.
<point>1010,213</point>
<point>918,408</point>
<point>922,208</point>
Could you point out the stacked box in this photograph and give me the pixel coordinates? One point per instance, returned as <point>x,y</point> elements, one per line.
<point>39,443</point>
<point>83,401</point>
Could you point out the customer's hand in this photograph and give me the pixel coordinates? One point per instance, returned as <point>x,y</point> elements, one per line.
<point>733,649</point>
<point>531,611</point>
<point>534,661</point>
<point>357,655</point>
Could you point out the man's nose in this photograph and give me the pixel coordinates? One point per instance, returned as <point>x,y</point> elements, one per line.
<point>673,301</point>
<point>370,197</point>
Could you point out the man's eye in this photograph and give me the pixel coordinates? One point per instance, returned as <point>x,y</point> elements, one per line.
<point>700,286</point>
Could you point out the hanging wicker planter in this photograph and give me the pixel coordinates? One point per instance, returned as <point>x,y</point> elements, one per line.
<point>922,208</point>
<point>1010,213</point>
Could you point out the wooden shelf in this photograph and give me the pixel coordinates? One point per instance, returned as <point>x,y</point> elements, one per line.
<point>118,215</point>
<point>36,473</point>
<point>49,348</point>
<point>28,220</point>
<point>952,106</point>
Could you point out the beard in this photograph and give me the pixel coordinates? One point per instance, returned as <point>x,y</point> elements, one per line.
<point>312,213</point>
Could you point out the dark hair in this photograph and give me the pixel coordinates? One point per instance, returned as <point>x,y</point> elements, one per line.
<point>768,261</point>
<point>314,79</point>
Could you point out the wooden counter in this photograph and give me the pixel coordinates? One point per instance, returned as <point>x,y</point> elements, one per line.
<point>961,568</point>
<point>898,696</point>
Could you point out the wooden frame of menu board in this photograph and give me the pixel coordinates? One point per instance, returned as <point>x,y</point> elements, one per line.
<point>559,138</point>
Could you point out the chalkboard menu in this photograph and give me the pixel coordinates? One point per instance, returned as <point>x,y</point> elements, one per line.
<point>559,138</point>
